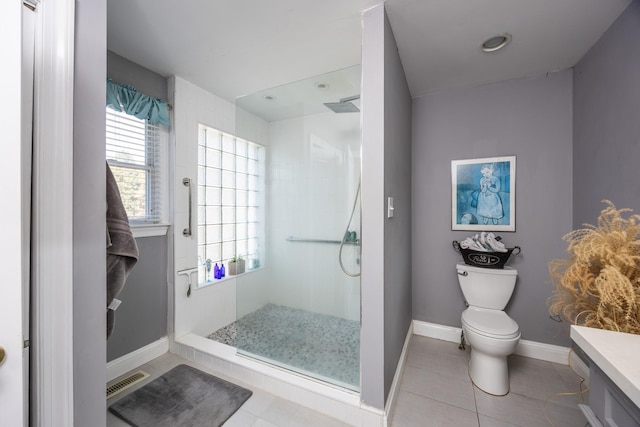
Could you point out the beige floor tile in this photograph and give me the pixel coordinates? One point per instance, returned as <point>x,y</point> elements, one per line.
<point>573,381</point>
<point>241,419</point>
<point>540,380</point>
<point>492,422</point>
<point>527,412</point>
<point>259,402</point>
<point>442,357</point>
<point>440,387</point>
<point>113,421</point>
<point>287,414</point>
<point>413,410</point>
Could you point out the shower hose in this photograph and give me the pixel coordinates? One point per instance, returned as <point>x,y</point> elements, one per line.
<point>342,242</point>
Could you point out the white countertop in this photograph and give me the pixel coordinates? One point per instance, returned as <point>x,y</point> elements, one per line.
<point>616,353</point>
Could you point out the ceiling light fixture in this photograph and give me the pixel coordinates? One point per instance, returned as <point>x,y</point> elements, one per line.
<point>321,85</point>
<point>269,97</point>
<point>496,42</point>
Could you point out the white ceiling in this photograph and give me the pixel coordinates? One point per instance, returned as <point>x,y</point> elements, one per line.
<point>238,47</point>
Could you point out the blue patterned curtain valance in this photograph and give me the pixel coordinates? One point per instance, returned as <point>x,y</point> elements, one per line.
<point>125,98</point>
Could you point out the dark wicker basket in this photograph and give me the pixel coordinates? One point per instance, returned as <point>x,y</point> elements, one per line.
<point>485,259</point>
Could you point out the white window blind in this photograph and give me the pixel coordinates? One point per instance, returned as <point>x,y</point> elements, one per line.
<point>137,155</point>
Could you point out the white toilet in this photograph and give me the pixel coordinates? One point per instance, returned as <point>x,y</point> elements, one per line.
<point>490,332</point>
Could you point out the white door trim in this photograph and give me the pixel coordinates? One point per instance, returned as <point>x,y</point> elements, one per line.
<point>12,167</point>
<point>52,210</point>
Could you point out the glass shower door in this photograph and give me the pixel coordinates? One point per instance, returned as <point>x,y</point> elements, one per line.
<point>301,309</point>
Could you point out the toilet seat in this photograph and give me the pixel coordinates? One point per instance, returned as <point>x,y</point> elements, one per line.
<point>490,323</point>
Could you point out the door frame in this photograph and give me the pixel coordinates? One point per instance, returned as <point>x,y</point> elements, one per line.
<point>14,260</point>
<point>52,399</point>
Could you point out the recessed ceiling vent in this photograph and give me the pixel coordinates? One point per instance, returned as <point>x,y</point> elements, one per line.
<point>496,42</point>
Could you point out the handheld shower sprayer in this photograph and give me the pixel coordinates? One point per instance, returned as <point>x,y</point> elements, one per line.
<point>350,237</point>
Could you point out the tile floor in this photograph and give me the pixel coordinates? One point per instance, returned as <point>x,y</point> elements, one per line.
<point>435,390</point>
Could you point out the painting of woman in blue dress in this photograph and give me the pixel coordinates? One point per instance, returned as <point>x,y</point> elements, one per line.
<point>489,201</point>
<point>483,194</point>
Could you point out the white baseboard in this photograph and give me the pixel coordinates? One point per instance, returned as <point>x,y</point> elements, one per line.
<point>439,332</point>
<point>395,385</point>
<point>532,349</point>
<point>541,351</point>
<point>135,359</point>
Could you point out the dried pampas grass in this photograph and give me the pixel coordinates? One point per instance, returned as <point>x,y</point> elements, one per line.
<point>599,285</point>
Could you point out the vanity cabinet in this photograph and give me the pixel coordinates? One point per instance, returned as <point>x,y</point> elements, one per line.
<point>614,376</point>
<point>610,406</point>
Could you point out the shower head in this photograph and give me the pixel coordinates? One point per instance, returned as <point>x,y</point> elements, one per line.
<point>344,106</point>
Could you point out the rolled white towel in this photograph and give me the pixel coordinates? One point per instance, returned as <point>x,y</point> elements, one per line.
<point>484,240</point>
<point>468,243</point>
<point>495,245</point>
<point>471,243</point>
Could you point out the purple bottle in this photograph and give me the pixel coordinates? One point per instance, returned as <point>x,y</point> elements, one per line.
<point>221,270</point>
<point>216,271</point>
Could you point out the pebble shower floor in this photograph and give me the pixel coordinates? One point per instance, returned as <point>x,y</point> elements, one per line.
<point>316,344</point>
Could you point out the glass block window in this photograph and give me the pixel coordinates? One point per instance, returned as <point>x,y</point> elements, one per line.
<point>230,201</point>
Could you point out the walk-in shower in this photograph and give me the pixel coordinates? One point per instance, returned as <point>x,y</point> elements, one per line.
<point>298,302</point>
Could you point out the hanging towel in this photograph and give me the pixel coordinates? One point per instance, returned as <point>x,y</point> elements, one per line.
<point>122,250</point>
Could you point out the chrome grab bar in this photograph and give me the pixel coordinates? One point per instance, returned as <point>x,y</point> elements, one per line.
<point>187,183</point>
<point>333,242</point>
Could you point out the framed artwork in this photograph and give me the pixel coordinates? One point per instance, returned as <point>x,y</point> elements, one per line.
<point>483,194</point>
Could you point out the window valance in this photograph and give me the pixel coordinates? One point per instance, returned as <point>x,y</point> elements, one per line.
<point>121,97</point>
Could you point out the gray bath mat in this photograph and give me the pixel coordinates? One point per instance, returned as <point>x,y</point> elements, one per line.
<point>184,396</point>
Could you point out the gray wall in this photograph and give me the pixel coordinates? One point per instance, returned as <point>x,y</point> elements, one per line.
<point>531,119</point>
<point>121,70</point>
<point>89,215</point>
<point>606,122</point>
<point>397,184</point>
<point>142,317</point>
<point>386,171</point>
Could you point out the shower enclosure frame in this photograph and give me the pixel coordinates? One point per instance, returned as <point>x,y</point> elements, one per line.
<point>186,340</point>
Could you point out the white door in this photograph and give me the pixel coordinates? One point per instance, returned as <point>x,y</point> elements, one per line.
<point>17,33</point>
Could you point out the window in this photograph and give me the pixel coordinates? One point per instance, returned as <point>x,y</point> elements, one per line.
<point>137,156</point>
<point>230,200</point>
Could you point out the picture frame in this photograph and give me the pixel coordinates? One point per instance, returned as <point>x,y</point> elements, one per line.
<point>483,194</point>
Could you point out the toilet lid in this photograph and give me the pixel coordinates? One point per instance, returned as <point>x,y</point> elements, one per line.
<point>492,323</point>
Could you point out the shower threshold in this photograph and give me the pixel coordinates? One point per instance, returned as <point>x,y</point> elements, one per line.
<point>335,401</point>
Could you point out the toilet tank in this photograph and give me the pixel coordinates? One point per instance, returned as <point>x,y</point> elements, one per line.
<point>486,287</point>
